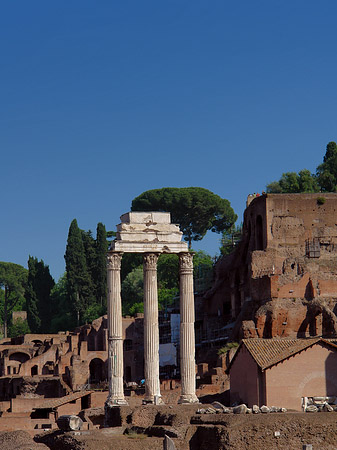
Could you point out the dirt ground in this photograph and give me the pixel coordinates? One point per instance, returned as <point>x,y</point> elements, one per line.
<point>281,431</point>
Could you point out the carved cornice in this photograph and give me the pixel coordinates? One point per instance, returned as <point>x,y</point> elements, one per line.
<point>150,261</point>
<point>186,261</point>
<point>114,261</point>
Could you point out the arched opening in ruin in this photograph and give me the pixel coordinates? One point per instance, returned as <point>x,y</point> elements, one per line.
<point>34,370</point>
<point>259,233</point>
<point>309,291</point>
<point>19,356</point>
<point>97,373</point>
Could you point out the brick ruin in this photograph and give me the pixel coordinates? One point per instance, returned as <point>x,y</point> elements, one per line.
<point>52,365</point>
<point>282,278</point>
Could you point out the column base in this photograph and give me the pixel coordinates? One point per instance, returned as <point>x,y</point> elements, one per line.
<point>188,398</point>
<point>115,401</point>
<point>156,400</point>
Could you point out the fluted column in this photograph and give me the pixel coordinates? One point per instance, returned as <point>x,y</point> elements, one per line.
<point>187,339</point>
<point>151,329</point>
<point>115,337</point>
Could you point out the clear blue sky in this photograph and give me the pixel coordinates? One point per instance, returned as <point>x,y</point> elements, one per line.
<point>101,101</point>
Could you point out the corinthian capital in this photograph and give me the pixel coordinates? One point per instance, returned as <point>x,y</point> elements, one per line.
<point>114,261</point>
<point>150,261</point>
<point>186,260</point>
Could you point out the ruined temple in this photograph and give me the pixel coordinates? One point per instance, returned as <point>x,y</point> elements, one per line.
<point>281,280</point>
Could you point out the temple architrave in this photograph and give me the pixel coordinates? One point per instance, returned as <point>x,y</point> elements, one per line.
<point>150,233</point>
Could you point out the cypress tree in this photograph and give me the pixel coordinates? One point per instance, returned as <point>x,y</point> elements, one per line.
<point>33,318</point>
<point>79,285</point>
<point>100,266</point>
<point>40,284</point>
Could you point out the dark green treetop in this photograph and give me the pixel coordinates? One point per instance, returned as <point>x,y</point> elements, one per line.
<point>79,283</point>
<point>327,171</point>
<point>325,179</point>
<point>101,247</point>
<point>292,182</point>
<point>39,286</point>
<point>195,209</point>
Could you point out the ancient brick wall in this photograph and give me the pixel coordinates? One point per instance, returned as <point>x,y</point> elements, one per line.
<point>282,278</point>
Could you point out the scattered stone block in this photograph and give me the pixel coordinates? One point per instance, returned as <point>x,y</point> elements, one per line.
<point>240,409</point>
<point>264,409</point>
<point>327,407</point>
<point>311,408</point>
<point>218,405</point>
<point>256,409</point>
<point>69,423</point>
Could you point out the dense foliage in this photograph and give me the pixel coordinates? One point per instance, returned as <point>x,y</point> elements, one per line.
<point>168,281</point>
<point>13,281</point>
<point>324,180</point>
<point>38,296</point>
<point>85,260</point>
<point>195,209</point>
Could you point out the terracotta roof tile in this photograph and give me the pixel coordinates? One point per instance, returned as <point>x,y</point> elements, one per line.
<point>267,352</point>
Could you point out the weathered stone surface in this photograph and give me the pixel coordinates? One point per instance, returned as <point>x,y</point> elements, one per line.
<point>311,408</point>
<point>264,409</point>
<point>142,232</point>
<point>327,407</point>
<point>240,409</point>
<point>288,288</point>
<point>69,423</point>
<point>218,405</point>
<point>256,409</point>
<point>168,443</point>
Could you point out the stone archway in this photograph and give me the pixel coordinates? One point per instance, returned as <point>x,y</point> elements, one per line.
<point>96,370</point>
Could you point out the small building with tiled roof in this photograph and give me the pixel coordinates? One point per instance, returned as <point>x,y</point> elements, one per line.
<point>280,372</point>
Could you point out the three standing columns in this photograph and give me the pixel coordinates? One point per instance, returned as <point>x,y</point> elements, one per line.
<point>115,336</point>
<point>151,330</point>
<point>187,340</point>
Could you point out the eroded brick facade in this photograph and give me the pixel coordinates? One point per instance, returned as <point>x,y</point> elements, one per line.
<point>282,278</point>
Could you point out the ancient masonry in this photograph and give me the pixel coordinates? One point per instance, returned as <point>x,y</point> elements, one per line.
<point>150,234</point>
<point>282,278</point>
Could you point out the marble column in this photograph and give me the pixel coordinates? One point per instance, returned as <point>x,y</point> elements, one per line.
<point>115,337</point>
<point>187,339</point>
<point>151,329</point>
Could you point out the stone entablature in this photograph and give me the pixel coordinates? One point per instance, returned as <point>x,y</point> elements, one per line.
<point>141,232</point>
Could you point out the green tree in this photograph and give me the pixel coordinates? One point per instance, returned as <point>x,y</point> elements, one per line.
<point>100,266</point>
<point>39,286</point>
<point>79,283</point>
<point>327,171</point>
<point>13,279</point>
<point>168,271</point>
<point>133,291</point>
<point>195,209</point>
<point>230,239</point>
<point>292,182</point>
<point>63,316</point>
<point>18,328</point>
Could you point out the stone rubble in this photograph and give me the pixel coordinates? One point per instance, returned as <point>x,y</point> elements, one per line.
<point>218,408</point>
